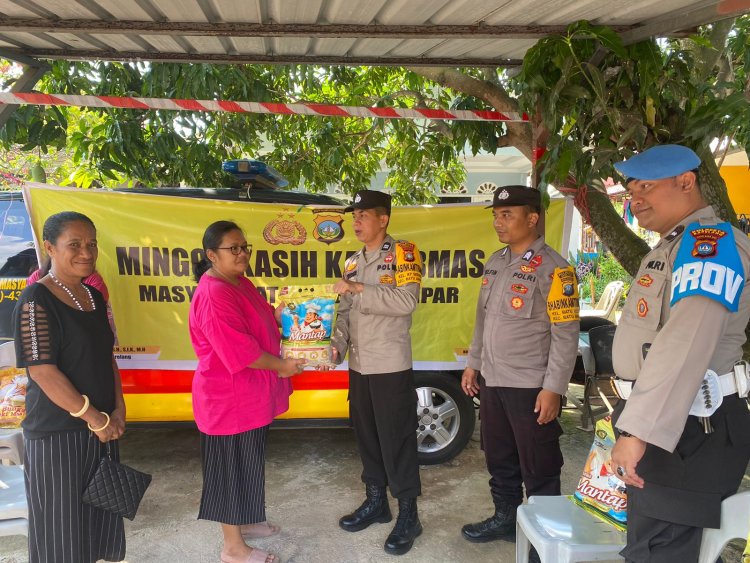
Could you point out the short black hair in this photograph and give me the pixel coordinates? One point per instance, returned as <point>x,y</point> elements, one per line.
<point>56,224</point>
<point>212,238</point>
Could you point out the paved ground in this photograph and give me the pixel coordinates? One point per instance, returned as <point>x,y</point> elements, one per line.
<point>312,479</point>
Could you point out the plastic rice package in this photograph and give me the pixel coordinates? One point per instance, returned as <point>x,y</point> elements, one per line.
<point>13,382</point>
<point>306,323</point>
<point>599,487</point>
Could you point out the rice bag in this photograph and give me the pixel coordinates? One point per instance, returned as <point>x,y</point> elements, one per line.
<point>600,488</point>
<point>306,323</point>
<point>13,382</point>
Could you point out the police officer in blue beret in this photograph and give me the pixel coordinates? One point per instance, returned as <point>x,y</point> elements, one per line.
<point>683,423</point>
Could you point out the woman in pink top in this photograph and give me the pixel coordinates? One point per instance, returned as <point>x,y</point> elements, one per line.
<point>240,385</point>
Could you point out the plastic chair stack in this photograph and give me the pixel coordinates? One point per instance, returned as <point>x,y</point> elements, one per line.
<point>14,515</point>
<point>606,307</point>
<point>561,531</point>
<point>735,524</point>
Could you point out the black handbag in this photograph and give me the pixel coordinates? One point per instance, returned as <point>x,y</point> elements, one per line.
<point>116,487</point>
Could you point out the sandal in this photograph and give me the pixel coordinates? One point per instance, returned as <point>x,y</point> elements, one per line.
<point>260,556</point>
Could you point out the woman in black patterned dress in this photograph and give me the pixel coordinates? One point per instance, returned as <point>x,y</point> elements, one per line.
<point>74,402</point>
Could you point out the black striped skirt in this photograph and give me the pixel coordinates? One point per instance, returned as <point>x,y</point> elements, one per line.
<point>62,529</point>
<point>234,477</point>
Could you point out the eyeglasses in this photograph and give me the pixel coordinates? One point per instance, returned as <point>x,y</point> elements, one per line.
<point>235,249</point>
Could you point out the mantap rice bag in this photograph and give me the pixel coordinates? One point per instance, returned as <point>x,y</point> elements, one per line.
<point>600,487</point>
<point>13,383</point>
<point>306,323</point>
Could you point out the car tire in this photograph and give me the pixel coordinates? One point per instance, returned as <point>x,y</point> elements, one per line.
<point>445,417</point>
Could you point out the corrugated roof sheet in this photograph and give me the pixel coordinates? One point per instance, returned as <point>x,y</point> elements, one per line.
<point>408,32</point>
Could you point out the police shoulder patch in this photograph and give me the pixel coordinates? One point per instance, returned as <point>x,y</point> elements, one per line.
<point>562,300</point>
<point>408,264</point>
<point>708,264</point>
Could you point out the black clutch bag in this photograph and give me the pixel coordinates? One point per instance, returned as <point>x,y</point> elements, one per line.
<point>116,487</point>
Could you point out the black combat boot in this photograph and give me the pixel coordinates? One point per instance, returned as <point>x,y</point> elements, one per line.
<point>374,509</point>
<point>406,530</point>
<point>499,526</point>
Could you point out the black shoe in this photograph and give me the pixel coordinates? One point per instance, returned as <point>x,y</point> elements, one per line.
<point>499,526</point>
<point>407,528</point>
<point>374,509</point>
<point>534,555</point>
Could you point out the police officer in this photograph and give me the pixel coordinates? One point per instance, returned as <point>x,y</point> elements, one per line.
<point>379,292</point>
<point>525,344</point>
<point>683,323</point>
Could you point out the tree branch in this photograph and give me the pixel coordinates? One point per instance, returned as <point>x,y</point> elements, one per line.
<point>519,134</point>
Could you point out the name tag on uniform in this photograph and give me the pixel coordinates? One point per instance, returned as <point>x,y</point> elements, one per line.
<point>708,264</point>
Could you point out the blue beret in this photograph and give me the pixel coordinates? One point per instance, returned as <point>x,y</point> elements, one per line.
<point>661,161</point>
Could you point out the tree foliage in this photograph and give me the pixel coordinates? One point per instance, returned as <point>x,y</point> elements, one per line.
<point>594,101</point>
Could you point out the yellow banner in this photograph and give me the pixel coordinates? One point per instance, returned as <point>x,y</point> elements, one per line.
<point>147,244</point>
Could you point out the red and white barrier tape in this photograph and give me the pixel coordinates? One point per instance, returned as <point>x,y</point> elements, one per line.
<point>325,110</point>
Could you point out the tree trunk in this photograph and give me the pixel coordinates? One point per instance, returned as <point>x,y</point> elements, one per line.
<point>714,189</point>
<point>626,246</point>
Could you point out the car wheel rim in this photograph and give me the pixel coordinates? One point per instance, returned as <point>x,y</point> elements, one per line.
<point>438,420</point>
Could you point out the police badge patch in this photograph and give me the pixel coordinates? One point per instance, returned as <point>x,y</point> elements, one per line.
<point>708,264</point>
<point>706,240</point>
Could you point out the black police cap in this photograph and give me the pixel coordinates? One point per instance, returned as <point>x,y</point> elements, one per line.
<point>511,196</point>
<point>369,199</point>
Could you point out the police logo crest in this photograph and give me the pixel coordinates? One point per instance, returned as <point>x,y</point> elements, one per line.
<point>284,231</point>
<point>328,228</point>
<point>706,240</point>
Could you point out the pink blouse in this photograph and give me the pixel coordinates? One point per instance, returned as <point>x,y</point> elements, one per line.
<point>230,327</point>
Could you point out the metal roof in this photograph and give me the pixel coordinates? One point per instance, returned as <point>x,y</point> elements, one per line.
<point>356,32</point>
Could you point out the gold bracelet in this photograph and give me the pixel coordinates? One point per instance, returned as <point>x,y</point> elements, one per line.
<point>103,427</point>
<point>84,408</point>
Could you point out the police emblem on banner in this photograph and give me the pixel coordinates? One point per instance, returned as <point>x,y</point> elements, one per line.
<point>706,240</point>
<point>284,231</point>
<point>328,228</point>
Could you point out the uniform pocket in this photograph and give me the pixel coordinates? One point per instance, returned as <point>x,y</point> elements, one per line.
<point>516,304</point>
<point>548,458</point>
<point>643,306</point>
<point>738,428</point>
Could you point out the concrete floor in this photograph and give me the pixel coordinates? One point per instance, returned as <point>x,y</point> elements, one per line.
<point>312,479</point>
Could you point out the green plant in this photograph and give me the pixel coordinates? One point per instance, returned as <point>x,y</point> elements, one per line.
<point>607,269</point>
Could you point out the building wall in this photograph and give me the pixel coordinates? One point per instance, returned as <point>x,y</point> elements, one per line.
<point>737,179</point>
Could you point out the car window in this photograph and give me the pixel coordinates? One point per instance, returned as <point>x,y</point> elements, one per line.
<point>17,257</point>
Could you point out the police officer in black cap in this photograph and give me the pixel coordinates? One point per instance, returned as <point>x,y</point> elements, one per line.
<point>379,292</point>
<point>525,345</point>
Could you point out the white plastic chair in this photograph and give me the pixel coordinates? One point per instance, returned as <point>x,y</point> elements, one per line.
<point>561,532</point>
<point>11,445</point>
<point>11,439</point>
<point>14,514</point>
<point>606,307</point>
<point>735,524</point>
